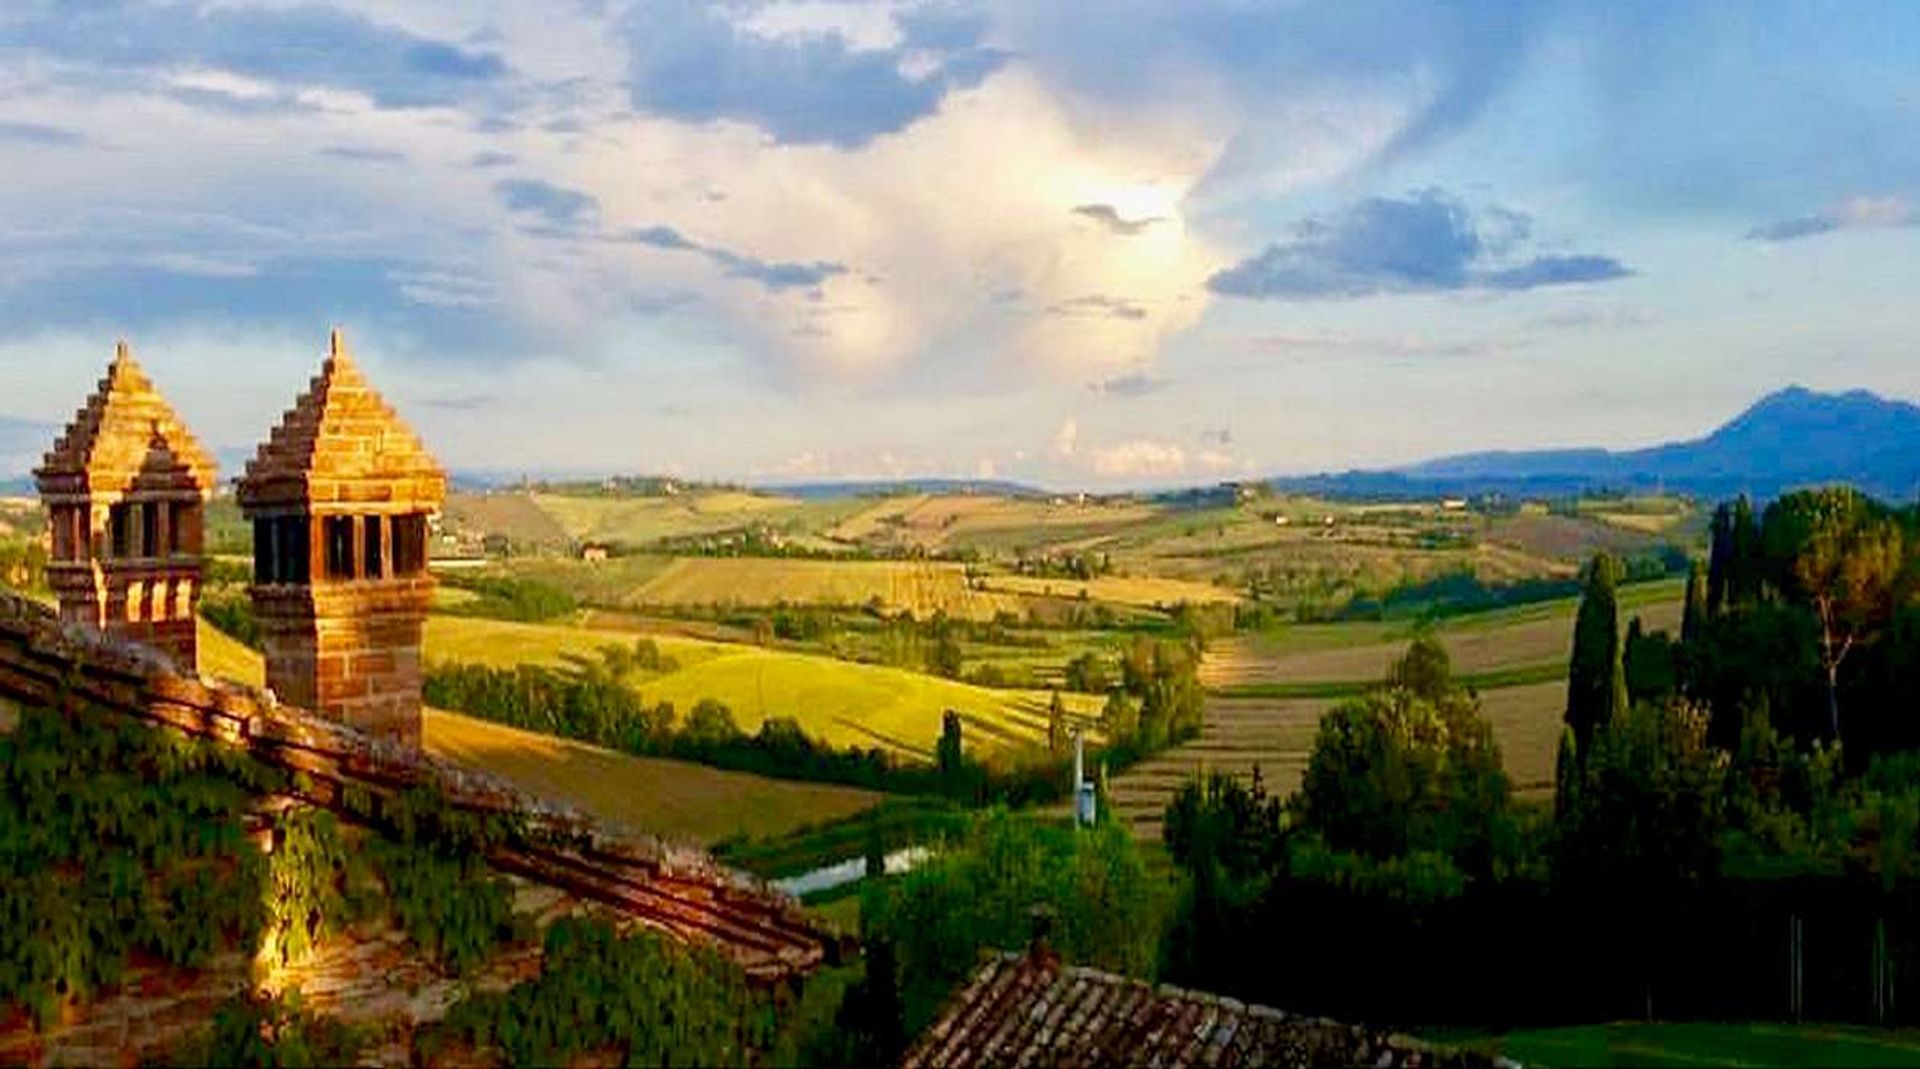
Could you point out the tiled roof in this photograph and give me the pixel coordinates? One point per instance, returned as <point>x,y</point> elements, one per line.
<point>125,435</point>
<point>1029,1010</point>
<point>342,447</point>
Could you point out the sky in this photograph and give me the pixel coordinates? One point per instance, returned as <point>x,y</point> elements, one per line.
<point>1097,245</point>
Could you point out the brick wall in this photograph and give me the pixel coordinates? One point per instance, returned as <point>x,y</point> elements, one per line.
<point>677,889</point>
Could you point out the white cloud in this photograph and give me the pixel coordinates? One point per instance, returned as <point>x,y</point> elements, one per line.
<point>1067,438</point>
<point>1138,459</point>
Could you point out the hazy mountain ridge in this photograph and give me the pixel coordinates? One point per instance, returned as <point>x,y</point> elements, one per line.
<point>1794,437</point>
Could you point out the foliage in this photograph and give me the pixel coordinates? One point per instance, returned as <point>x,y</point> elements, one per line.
<point>445,899</point>
<point>230,609</point>
<point>512,598</point>
<point>1650,806</point>
<point>1649,664</point>
<point>1088,673</point>
<point>307,883</point>
<point>23,563</point>
<point>981,892</point>
<point>115,837</point>
<point>1225,828</point>
<point>642,998</point>
<point>592,703</point>
<point>1596,678</point>
<point>1395,772</point>
<point>271,1031</point>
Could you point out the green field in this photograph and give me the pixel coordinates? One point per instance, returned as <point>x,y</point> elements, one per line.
<point>675,799</point>
<point>920,587</point>
<point>640,520</point>
<point>844,703</point>
<point>851,704</point>
<point>1701,1043</point>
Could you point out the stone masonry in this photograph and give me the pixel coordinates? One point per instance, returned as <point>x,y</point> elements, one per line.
<point>339,497</point>
<point>124,488</point>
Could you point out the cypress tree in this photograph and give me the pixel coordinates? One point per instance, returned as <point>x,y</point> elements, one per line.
<point>947,752</point>
<point>1566,776</point>
<point>1596,676</point>
<point>1694,617</point>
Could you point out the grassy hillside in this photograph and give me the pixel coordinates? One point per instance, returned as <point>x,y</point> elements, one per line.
<point>664,797</point>
<point>677,799</point>
<point>1121,590</point>
<point>839,701</point>
<point>919,587</point>
<point>861,705</point>
<point>638,521</point>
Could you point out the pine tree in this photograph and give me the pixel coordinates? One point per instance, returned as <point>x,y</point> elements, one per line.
<point>1596,676</point>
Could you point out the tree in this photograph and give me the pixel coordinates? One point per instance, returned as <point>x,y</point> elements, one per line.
<point>947,753</point>
<point>1596,676</point>
<point>981,892</point>
<point>710,724</point>
<point>1121,717</point>
<point>1393,772</point>
<point>945,658</point>
<point>1835,551</point>
<point>1647,661</point>
<point>871,1022</point>
<point>1056,726</point>
<point>1566,775</point>
<point>1088,674</point>
<point>1425,669</point>
<point>1736,566</point>
<point>1693,620</point>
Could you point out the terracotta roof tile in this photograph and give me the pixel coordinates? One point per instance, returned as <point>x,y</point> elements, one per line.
<point>1028,1010</point>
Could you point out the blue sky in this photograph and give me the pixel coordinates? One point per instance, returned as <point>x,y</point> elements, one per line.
<point>1101,245</point>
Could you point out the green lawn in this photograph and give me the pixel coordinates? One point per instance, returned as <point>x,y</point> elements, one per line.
<point>1703,1043</point>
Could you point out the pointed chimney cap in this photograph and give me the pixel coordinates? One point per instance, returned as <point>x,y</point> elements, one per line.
<point>111,442</point>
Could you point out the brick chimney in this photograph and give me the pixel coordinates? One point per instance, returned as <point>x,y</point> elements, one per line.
<point>339,496</point>
<point>124,488</point>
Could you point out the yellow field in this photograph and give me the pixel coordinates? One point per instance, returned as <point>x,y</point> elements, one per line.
<point>934,521</point>
<point>1144,591</point>
<point>861,705</point>
<point>500,643</point>
<point>225,658</point>
<point>844,703</point>
<point>921,587</point>
<point>676,799</point>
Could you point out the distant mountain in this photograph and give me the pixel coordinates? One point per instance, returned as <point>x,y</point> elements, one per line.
<point>1796,437</point>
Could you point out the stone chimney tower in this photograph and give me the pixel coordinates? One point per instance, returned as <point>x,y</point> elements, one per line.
<point>124,488</point>
<point>339,498</point>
